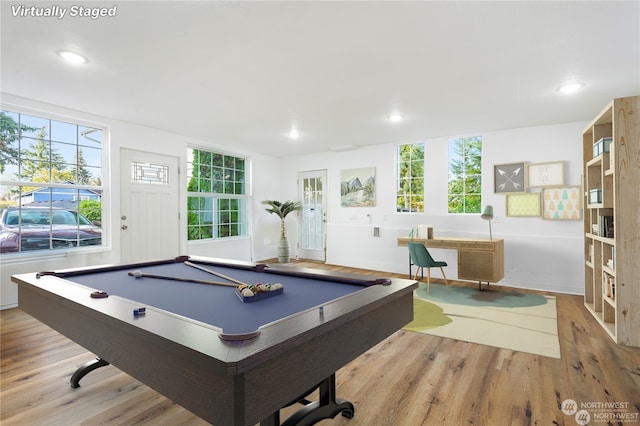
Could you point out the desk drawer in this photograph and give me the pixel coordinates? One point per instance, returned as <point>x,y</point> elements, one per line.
<point>477,245</point>
<point>441,244</point>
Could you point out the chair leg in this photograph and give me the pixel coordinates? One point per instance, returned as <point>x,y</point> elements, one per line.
<point>428,280</point>
<point>445,277</point>
<point>418,269</point>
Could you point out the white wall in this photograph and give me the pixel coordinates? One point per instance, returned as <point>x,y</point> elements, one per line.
<point>540,254</point>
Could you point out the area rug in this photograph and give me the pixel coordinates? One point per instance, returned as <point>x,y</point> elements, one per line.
<point>493,317</point>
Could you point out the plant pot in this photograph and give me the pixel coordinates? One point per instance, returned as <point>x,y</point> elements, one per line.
<point>284,251</point>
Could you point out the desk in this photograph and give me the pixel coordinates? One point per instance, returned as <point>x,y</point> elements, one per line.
<point>479,260</point>
<point>180,347</point>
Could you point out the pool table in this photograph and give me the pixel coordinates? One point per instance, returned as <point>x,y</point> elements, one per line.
<point>228,360</point>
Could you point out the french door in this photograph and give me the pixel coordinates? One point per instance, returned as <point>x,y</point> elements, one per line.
<point>313,233</point>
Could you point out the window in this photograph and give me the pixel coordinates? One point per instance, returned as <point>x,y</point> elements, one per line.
<point>410,183</point>
<point>152,174</point>
<point>465,175</point>
<point>50,185</point>
<point>216,195</point>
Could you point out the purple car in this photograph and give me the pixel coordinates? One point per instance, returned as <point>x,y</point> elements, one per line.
<point>30,228</point>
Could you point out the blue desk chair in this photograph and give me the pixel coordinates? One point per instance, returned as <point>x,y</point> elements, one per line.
<point>419,256</point>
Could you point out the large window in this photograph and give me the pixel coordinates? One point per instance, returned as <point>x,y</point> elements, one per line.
<point>465,171</point>
<point>410,182</point>
<point>216,195</point>
<point>50,185</point>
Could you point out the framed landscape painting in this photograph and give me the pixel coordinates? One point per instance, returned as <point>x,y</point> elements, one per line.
<point>358,187</point>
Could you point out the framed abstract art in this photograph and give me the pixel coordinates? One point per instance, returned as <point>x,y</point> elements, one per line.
<point>523,205</point>
<point>510,178</point>
<point>546,174</point>
<point>562,203</point>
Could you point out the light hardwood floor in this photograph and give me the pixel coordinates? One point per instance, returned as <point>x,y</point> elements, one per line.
<point>408,379</point>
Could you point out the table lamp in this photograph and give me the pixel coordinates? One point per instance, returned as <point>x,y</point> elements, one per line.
<point>487,214</point>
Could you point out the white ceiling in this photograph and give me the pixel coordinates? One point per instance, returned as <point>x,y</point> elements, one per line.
<point>242,74</point>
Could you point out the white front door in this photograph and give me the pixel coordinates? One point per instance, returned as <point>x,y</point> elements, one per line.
<point>313,234</point>
<point>149,206</point>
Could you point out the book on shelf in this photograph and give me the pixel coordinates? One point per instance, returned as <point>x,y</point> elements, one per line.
<point>606,226</point>
<point>611,262</point>
<point>608,284</point>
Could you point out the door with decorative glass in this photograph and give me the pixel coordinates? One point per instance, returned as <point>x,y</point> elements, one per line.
<point>313,233</point>
<point>149,206</point>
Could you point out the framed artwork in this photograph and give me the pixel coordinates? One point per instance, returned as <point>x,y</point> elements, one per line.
<point>562,203</point>
<point>546,174</point>
<point>523,205</point>
<point>509,178</point>
<point>358,187</point>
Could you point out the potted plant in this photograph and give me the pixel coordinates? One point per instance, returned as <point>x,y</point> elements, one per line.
<point>282,209</point>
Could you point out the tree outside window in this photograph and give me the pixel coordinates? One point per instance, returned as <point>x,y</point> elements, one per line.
<point>216,195</point>
<point>410,182</point>
<point>465,175</point>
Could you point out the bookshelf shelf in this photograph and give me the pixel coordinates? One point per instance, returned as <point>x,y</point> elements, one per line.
<point>611,301</point>
<point>611,144</point>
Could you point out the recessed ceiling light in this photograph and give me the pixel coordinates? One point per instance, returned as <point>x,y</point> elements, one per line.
<point>571,88</point>
<point>72,57</point>
<point>294,134</point>
<point>394,118</point>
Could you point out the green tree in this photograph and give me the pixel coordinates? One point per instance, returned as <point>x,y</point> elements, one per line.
<point>198,227</point>
<point>82,173</point>
<point>9,133</point>
<point>39,161</point>
<point>92,210</point>
<point>213,173</point>
<point>410,193</point>
<point>199,218</point>
<point>42,164</point>
<point>465,170</point>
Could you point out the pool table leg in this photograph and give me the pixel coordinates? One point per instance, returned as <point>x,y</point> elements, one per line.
<point>327,407</point>
<point>85,369</point>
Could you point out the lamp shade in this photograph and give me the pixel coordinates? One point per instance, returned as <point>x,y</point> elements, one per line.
<point>487,214</point>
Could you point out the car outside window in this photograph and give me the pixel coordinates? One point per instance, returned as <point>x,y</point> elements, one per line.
<point>50,183</point>
<point>25,229</point>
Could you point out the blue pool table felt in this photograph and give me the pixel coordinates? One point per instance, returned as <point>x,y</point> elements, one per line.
<point>216,305</point>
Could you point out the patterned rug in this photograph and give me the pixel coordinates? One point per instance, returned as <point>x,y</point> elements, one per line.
<point>503,319</point>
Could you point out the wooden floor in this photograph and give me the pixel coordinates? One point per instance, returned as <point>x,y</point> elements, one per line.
<point>408,379</point>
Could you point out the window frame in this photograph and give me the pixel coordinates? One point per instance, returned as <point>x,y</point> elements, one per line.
<point>416,201</point>
<point>209,202</point>
<point>17,187</point>
<point>471,202</point>
<point>22,193</point>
